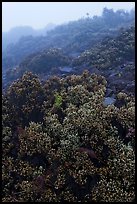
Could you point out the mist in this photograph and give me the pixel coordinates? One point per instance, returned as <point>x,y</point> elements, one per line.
<point>39,14</point>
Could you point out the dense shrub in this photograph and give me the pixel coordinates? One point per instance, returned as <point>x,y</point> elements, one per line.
<point>84,152</point>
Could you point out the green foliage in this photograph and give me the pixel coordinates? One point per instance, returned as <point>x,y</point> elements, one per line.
<point>58,100</point>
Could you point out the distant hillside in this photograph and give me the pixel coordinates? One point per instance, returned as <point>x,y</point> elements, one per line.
<point>73,38</point>
<point>16,33</point>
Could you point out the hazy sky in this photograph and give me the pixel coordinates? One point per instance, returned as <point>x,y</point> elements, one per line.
<point>39,14</point>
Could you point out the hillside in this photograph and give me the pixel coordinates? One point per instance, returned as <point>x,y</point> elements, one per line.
<point>113,58</point>
<point>73,38</point>
<point>111,52</point>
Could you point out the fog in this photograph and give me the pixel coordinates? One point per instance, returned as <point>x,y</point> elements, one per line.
<point>39,14</point>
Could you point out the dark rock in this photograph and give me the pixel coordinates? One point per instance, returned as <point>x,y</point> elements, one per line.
<point>120,103</point>
<point>109,92</point>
